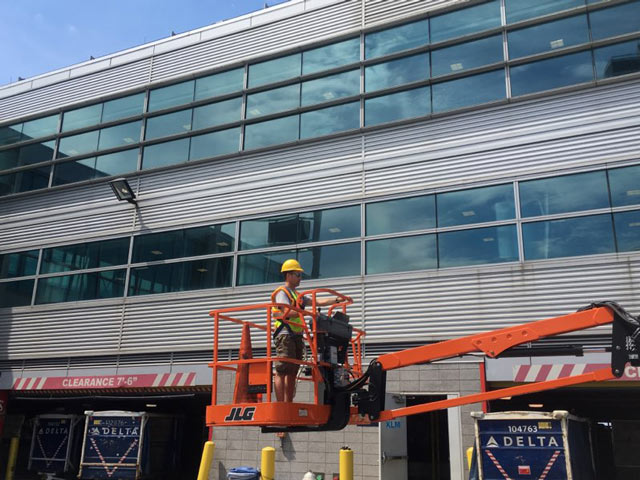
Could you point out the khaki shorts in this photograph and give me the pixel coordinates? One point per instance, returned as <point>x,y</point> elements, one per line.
<point>288,346</point>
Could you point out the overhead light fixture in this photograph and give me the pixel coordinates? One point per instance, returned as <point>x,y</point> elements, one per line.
<point>202,270</point>
<point>156,252</point>
<point>123,190</point>
<point>151,405</point>
<point>536,405</point>
<point>335,230</point>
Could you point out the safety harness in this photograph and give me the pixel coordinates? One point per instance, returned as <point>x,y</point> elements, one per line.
<point>294,329</point>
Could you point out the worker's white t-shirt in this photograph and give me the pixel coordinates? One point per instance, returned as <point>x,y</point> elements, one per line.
<point>282,297</point>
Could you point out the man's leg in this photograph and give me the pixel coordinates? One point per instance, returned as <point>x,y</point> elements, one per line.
<point>279,387</point>
<point>289,387</point>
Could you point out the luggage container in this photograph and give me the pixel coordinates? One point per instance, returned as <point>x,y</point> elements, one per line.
<point>55,444</point>
<point>532,445</point>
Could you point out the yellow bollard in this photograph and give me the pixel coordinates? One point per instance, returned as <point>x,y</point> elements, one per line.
<point>13,456</point>
<point>346,463</point>
<point>268,463</point>
<point>207,458</point>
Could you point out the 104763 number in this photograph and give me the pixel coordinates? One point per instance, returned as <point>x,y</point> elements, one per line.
<point>522,428</point>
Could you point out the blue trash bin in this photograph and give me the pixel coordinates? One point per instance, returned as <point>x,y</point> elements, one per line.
<point>243,473</point>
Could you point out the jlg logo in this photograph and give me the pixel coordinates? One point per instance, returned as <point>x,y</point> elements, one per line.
<point>239,413</point>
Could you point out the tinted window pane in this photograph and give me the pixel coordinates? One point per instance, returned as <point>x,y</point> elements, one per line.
<point>169,124</point>
<point>551,73</point>
<point>331,56</point>
<point>10,134</point>
<point>331,88</point>
<point>396,39</point>
<point>330,120</point>
<point>168,153</point>
<point>548,36</point>
<point>215,143</point>
<point>263,134</point>
<point>36,153</point>
<point>70,172</point>
<point>466,55</point>
<point>9,158</point>
<point>117,163</point>
<point>262,267</point>
<point>123,107</point>
<point>523,9</point>
<point>478,246</point>
<point>486,204</point>
<point>209,240</point>
<point>120,135</point>
<point>32,179</point>
<point>183,276</point>
<point>627,230</point>
<point>81,117</point>
<point>402,254</point>
<point>219,84</point>
<point>401,215</point>
<point>269,232</point>
<point>40,127</point>
<point>18,264</point>
<point>568,237</point>
<point>569,193</point>
<point>84,286</point>
<point>397,106</point>
<point>158,246</point>
<point>468,91</point>
<point>273,101</point>
<point>171,96</point>
<point>616,20</point>
<point>465,21</point>
<point>78,144</point>
<point>331,224</point>
<point>217,113</point>
<point>79,256</point>
<point>330,261</point>
<point>16,294</point>
<point>625,186</point>
<point>618,59</point>
<point>7,183</point>
<point>396,72</point>
<point>274,70</point>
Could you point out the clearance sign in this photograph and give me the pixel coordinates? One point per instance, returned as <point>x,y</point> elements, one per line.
<point>144,380</point>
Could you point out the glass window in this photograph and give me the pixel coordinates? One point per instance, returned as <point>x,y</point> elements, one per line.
<point>402,254</point>
<point>625,186</point>
<point>331,56</point>
<point>273,101</point>
<point>465,21</point>
<point>478,246</point>
<point>269,232</point>
<point>34,179</point>
<point>81,117</point>
<point>551,73</point>
<point>568,237</point>
<point>568,193</point>
<point>78,144</point>
<point>7,184</point>
<point>468,91</point>
<point>627,230</point>
<point>167,153</point>
<point>274,70</point>
<point>84,286</point>
<point>485,204</point>
<point>26,155</point>
<point>333,224</point>
<point>170,96</point>
<point>182,276</point>
<point>263,134</point>
<point>330,88</point>
<point>215,143</point>
<point>10,134</point>
<point>396,39</point>
<point>71,172</point>
<point>548,36</point>
<point>330,120</point>
<point>396,72</point>
<point>402,215</point>
<point>18,264</point>
<point>618,59</point>
<point>219,84</point>
<point>95,167</point>
<point>9,158</point>
<point>397,106</point>
<point>617,20</point>
<point>169,124</point>
<point>158,246</point>
<point>217,113</point>
<point>262,267</point>
<point>40,127</point>
<point>120,135</point>
<point>330,261</point>
<point>80,256</point>
<point>467,55</point>
<point>123,107</point>
<point>518,10</point>
<point>16,294</point>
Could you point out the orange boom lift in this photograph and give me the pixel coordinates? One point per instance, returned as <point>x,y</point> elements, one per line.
<point>343,394</point>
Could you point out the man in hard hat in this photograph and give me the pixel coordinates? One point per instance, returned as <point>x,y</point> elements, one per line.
<point>288,336</point>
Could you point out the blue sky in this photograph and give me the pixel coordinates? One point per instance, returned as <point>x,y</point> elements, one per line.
<point>38,36</point>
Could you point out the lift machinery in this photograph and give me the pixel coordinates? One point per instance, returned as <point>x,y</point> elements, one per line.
<point>342,393</point>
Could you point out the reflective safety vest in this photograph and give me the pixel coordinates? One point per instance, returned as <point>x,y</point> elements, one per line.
<point>295,323</point>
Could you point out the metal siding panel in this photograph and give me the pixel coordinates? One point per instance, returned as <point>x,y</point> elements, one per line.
<point>381,11</point>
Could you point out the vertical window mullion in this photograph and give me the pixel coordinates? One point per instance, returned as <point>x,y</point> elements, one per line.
<point>516,199</point>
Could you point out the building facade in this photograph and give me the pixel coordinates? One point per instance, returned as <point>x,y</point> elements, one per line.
<point>454,166</point>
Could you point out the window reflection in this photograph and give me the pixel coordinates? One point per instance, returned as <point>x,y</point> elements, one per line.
<point>16,294</point>
<point>548,36</point>
<point>330,261</point>
<point>262,267</point>
<point>625,186</point>
<point>82,286</point>
<point>217,113</point>
<point>332,224</point>
<point>169,124</point>
<point>219,84</point>
<point>465,21</point>
<point>269,232</point>
<point>331,56</point>
<point>120,135</point>
<point>123,107</point>
<point>10,134</point>
<point>467,55</point>
<point>78,144</point>
<point>397,106</point>
<point>274,70</point>
<point>518,10</point>
<point>617,20</point>
<point>330,120</point>
<point>618,59</point>
<point>171,96</point>
<point>396,39</point>
<point>79,256</point>
<point>26,155</point>
<point>402,254</point>
<point>95,167</point>
<point>486,204</point>
<point>627,230</point>
<point>396,72</point>
<point>263,134</point>
<point>402,215</point>
<point>82,117</point>
<point>215,143</point>
<point>167,153</point>
<point>468,91</point>
<point>40,127</point>
<point>273,101</point>
<point>18,264</point>
<point>25,181</point>
<point>330,88</point>
<point>478,246</point>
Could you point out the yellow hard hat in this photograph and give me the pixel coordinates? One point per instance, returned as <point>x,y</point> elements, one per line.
<point>291,265</point>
